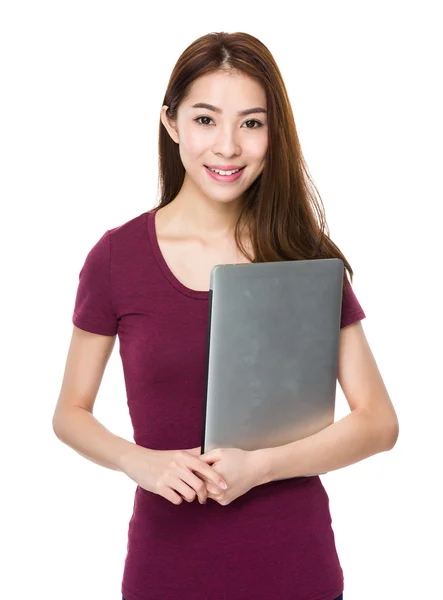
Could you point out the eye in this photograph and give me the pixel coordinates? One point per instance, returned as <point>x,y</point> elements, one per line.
<point>254,121</point>
<point>199,122</point>
<point>259,124</point>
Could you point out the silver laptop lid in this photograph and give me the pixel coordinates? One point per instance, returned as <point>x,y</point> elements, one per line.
<point>272,353</point>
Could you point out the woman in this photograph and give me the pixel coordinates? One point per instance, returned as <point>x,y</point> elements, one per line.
<point>234,188</point>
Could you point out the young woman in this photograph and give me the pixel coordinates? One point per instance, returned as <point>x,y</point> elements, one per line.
<point>234,188</point>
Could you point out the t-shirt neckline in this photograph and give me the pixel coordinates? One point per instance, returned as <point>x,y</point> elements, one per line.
<point>197,294</point>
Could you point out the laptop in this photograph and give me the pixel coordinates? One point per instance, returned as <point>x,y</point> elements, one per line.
<point>272,352</point>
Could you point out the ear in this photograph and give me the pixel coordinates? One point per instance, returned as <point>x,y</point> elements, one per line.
<point>170,126</point>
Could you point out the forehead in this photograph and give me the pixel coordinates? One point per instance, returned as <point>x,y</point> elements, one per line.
<point>227,90</point>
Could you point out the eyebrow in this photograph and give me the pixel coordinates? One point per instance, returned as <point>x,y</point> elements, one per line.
<point>241,113</point>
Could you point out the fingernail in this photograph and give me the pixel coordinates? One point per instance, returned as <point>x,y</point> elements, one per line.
<point>223,485</point>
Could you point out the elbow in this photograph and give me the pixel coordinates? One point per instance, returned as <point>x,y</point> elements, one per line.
<point>390,433</point>
<point>393,437</point>
<point>55,428</point>
<point>57,425</point>
<point>385,430</point>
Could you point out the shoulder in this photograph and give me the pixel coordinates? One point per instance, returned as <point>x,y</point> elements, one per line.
<point>114,241</point>
<point>129,230</point>
<point>120,242</point>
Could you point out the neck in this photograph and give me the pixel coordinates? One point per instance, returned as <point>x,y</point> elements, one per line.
<point>202,217</point>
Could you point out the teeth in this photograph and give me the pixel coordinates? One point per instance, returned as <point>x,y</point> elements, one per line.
<point>224,172</point>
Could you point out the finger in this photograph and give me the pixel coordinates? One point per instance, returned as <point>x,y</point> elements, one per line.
<point>196,485</point>
<point>215,497</point>
<point>210,457</point>
<point>212,489</point>
<point>183,489</point>
<point>173,496</point>
<point>210,474</point>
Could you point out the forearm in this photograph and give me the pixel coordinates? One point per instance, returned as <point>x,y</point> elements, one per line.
<point>349,440</point>
<point>79,429</point>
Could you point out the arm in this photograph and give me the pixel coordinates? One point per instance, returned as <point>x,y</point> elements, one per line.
<point>370,428</point>
<point>73,421</point>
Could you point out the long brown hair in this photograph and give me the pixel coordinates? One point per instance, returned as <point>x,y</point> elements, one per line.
<point>283,208</point>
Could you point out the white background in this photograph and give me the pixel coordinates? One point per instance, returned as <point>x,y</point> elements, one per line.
<point>82,85</point>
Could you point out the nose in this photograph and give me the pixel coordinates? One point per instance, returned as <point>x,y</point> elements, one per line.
<point>226,142</point>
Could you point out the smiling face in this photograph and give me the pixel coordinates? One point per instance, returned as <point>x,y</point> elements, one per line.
<point>221,123</point>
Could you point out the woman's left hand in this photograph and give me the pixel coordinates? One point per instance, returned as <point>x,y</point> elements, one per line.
<point>241,469</point>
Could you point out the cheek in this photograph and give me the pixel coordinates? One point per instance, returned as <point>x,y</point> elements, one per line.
<point>256,150</point>
<point>193,144</point>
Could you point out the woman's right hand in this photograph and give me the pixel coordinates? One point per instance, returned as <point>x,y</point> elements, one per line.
<point>170,473</point>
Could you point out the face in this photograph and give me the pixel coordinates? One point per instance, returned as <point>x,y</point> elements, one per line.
<point>218,136</point>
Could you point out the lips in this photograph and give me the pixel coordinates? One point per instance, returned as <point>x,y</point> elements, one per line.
<point>220,169</point>
<point>225,178</point>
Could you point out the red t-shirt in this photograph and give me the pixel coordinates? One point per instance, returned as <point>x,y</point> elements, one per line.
<point>275,541</point>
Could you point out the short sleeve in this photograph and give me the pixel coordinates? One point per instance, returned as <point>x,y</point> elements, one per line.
<point>94,308</point>
<point>351,310</point>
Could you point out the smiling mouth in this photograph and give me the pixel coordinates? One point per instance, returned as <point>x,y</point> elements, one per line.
<point>236,170</point>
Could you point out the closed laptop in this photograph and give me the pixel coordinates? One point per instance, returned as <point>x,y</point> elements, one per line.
<point>272,352</point>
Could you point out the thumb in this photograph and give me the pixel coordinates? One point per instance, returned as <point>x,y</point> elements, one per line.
<point>210,457</point>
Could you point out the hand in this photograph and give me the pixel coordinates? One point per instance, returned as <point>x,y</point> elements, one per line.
<point>170,473</point>
<point>241,469</point>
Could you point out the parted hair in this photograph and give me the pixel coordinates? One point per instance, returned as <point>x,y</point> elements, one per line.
<point>282,207</point>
